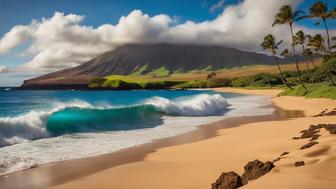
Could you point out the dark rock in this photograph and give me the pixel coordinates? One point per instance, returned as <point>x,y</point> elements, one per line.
<point>277,159</point>
<point>329,127</point>
<point>285,153</point>
<point>299,163</point>
<point>296,138</point>
<point>308,145</point>
<point>255,169</point>
<point>230,180</point>
<point>308,133</point>
<point>325,113</point>
<point>314,137</point>
<point>314,127</point>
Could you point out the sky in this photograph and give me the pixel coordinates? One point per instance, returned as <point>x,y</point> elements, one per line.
<point>41,36</point>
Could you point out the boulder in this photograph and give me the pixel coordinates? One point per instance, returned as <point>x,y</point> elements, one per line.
<point>230,180</point>
<point>314,137</point>
<point>255,169</point>
<point>299,163</point>
<point>308,145</point>
<point>309,133</point>
<point>329,127</point>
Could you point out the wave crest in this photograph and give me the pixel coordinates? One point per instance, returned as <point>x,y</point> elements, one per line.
<point>199,105</point>
<point>81,116</point>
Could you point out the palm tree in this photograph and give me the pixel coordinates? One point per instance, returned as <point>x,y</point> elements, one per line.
<point>270,44</point>
<point>300,39</point>
<point>309,53</point>
<point>287,16</point>
<point>317,43</point>
<point>320,10</point>
<point>286,53</point>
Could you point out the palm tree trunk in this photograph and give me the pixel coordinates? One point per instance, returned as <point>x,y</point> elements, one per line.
<point>296,61</point>
<point>283,79</point>
<point>328,37</point>
<point>309,74</point>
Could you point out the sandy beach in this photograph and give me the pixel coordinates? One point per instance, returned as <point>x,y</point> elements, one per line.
<point>198,164</point>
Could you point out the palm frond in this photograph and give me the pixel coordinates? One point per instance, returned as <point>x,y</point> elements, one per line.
<point>285,15</point>
<point>276,45</point>
<point>296,14</point>
<point>304,17</point>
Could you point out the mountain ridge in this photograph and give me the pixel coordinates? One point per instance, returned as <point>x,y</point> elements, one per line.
<point>130,58</point>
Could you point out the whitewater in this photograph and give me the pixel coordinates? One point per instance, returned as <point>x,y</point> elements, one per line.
<point>60,126</point>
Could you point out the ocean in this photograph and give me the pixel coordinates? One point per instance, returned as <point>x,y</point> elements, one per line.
<point>38,127</point>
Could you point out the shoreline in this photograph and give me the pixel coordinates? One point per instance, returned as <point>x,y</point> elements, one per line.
<point>132,154</point>
<point>144,160</point>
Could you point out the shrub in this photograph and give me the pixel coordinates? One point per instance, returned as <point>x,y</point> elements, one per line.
<point>121,85</point>
<point>160,84</point>
<point>97,82</point>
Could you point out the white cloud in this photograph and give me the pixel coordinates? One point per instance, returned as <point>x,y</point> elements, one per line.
<point>62,41</point>
<point>217,6</point>
<point>4,69</point>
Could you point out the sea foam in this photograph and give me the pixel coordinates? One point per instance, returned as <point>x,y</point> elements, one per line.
<point>178,116</point>
<point>34,124</point>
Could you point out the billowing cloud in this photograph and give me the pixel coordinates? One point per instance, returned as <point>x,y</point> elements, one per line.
<point>62,41</point>
<point>4,69</point>
<point>216,6</point>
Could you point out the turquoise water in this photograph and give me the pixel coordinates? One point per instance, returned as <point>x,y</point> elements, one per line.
<point>39,114</point>
<point>38,127</point>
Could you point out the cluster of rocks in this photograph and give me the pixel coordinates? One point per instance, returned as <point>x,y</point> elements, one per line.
<point>256,168</point>
<point>325,113</point>
<point>279,158</point>
<point>252,170</point>
<point>312,133</point>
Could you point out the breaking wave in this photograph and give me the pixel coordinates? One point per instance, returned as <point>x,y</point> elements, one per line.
<point>80,116</point>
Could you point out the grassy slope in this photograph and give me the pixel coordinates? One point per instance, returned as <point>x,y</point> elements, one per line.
<point>315,91</point>
<point>202,74</point>
<point>319,90</point>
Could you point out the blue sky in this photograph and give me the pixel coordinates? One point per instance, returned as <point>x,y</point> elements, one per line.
<point>109,11</point>
<point>98,12</point>
<point>103,11</point>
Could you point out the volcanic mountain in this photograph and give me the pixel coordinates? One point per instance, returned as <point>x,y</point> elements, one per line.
<point>145,58</point>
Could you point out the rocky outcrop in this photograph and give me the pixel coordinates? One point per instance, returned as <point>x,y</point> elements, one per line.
<point>326,113</point>
<point>308,145</point>
<point>256,169</point>
<point>253,170</point>
<point>230,180</point>
<point>310,132</point>
<point>329,127</point>
<point>299,163</point>
<point>313,130</point>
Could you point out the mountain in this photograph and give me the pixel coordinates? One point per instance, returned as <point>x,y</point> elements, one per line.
<point>146,58</point>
